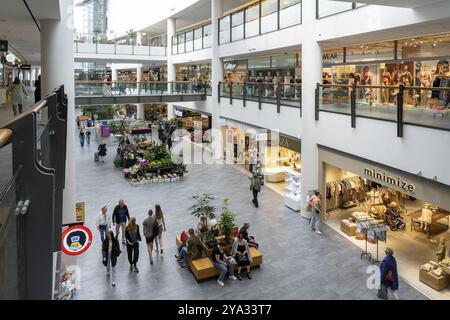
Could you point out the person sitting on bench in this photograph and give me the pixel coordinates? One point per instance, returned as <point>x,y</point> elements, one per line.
<point>249,239</point>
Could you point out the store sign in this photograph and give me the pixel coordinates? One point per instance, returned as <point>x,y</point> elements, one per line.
<point>79,207</point>
<point>3,45</point>
<point>229,66</point>
<point>330,56</point>
<point>76,240</point>
<point>178,112</point>
<point>25,67</point>
<point>384,177</point>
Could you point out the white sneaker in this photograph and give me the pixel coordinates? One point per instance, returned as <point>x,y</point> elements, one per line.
<point>232,278</point>
<point>220,283</point>
<point>113,284</point>
<point>318,232</point>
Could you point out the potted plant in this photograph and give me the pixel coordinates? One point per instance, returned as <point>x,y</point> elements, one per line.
<point>227,221</point>
<point>203,209</point>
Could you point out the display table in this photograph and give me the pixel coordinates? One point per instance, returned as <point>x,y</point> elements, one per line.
<point>293,196</point>
<point>435,282</point>
<point>275,174</point>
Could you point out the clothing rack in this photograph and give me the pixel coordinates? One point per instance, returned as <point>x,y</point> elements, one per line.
<point>337,199</point>
<point>377,232</point>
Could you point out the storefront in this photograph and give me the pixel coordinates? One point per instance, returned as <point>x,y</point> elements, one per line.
<point>194,122</point>
<point>379,206</point>
<point>194,71</point>
<point>409,62</point>
<point>155,74</point>
<point>152,112</point>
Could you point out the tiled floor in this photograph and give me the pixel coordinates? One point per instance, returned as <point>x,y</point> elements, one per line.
<point>298,264</point>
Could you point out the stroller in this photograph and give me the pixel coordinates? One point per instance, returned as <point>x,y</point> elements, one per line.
<point>393,217</point>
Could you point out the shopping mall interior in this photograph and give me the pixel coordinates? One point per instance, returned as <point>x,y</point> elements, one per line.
<point>153,154</point>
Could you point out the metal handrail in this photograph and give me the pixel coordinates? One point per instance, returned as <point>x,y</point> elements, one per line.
<point>5,137</point>
<point>382,87</point>
<point>35,108</point>
<point>130,82</point>
<point>263,83</point>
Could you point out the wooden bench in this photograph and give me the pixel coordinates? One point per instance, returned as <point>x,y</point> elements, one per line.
<point>203,269</point>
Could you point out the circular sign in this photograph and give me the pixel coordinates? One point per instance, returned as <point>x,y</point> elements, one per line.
<point>10,58</point>
<point>76,240</point>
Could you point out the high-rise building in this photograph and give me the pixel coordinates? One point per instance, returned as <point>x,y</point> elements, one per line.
<point>95,20</point>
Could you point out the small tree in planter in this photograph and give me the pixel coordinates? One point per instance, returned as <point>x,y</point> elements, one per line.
<point>227,220</point>
<point>203,209</point>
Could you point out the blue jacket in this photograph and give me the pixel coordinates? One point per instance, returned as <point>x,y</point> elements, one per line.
<point>387,264</point>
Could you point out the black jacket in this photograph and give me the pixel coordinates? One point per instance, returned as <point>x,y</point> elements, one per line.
<point>115,216</point>
<point>115,252</point>
<point>127,235</point>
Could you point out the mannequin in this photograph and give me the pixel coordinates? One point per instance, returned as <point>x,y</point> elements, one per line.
<point>425,82</point>
<point>425,219</point>
<point>440,250</point>
<point>287,79</point>
<point>441,80</point>
<point>269,88</point>
<point>367,81</point>
<point>407,81</point>
<point>386,81</point>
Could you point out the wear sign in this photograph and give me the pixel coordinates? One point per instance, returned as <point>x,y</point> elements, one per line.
<point>76,240</point>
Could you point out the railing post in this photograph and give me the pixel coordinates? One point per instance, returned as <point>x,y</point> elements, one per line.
<point>353,105</point>
<point>400,111</point>
<point>244,94</point>
<point>278,99</point>
<point>317,101</point>
<point>300,100</point>
<point>259,95</point>
<point>218,90</point>
<point>96,47</point>
<point>231,92</point>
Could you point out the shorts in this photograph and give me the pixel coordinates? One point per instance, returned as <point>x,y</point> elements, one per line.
<point>149,239</point>
<point>161,229</point>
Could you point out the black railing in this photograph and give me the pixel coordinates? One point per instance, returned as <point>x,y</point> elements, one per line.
<point>419,106</point>
<point>280,94</point>
<point>31,203</point>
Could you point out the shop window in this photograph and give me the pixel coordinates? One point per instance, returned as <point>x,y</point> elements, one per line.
<point>252,21</point>
<point>224,30</point>
<point>371,52</point>
<point>237,25</point>
<point>189,41</point>
<point>181,41</point>
<point>290,13</point>
<point>332,56</point>
<point>207,36</point>
<point>424,47</point>
<point>269,15</point>
<point>198,36</point>
<point>259,63</point>
<point>330,7</point>
<point>284,61</point>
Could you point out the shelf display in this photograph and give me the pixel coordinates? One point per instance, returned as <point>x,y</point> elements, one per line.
<point>293,196</point>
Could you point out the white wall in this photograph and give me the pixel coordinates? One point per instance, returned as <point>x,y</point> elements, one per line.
<point>420,149</point>
<point>192,57</point>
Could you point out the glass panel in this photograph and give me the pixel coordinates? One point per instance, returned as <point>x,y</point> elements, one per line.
<point>198,35</point>
<point>86,47</point>
<point>430,46</point>
<point>284,61</point>
<point>336,99</point>
<point>124,49</point>
<point>237,32</point>
<point>141,50</point>
<point>189,46</point>
<point>105,48</point>
<point>259,63</point>
<point>224,33</point>
<point>329,7</point>
<point>252,21</point>
<point>290,15</point>
<point>331,56</point>
<point>158,51</point>
<point>371,52</point>
<point>269,15</point>
<point>207,33</point>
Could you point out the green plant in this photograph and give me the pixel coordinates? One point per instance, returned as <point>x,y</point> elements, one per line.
<point>132,34</point>
<point>203,209</point>
<point>118,163</point>
<point>157,153</point>
<point>96,31</point>
<point>209,239</point>
<point>227,220</point>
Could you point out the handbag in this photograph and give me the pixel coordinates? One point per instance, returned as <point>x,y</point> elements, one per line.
<point>308,207</point>
<point>389,277</point>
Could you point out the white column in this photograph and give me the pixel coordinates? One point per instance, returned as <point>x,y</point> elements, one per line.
<point>139,77</point>
<point>311,75</point>
<point>171,29</point>
<point>57,63</point>
<point>114,75</point>
<point>139,38</point>
<point>216,76</point>
<point>140,111</point>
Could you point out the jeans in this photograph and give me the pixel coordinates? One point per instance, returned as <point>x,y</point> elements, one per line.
<point>110,268</point>
<point>82,141</point>
<point>255,197</point>
<point>133,254</point>
<point>14,107</point>
<point>103,230</point>
<point>315,219</point>
<point>88,139</point>
<point>184,254</point>
<point>118,227</point>
<point>224,270</point>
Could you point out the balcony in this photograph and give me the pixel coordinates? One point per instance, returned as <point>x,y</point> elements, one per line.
<point>418,106</point>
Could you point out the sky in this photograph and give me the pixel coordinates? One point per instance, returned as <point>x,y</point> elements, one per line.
<point>135,14</point>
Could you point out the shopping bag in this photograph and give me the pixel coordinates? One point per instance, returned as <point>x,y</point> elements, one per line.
<point>96,157</point>
<point>382,292</point>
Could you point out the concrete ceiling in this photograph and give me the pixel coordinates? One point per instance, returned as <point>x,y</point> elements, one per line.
<point>17,26</point>
<point>397,3</point>
<point>199,12</point>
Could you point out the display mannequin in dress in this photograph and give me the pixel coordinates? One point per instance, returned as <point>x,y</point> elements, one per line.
<point>366,80</point>
<point>425,218</point>
<point>441,80</point>
<point>425,82</point>
<point>407,81</point>
<point>386,81</point>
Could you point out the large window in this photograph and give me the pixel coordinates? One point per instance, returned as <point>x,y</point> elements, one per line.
<point>371,52</point>
<point>198,38</point>
<point>252,21</point>
<point>224,30</point>
<point>181,41</point>
<point>174,45</point>
<point>237,26</point>
<point>329,7</point>
<point>207,36</point>
<point>189,41</point>
<point>290,13</point>
<point>269,15</point>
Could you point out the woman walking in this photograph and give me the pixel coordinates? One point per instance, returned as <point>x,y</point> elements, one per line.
<point>161,227</point>
<point>18,93</point>
<point>133,236</point>
<point>389,276</point>
<point>241,254</point>
<point>111,250</point>
<point>102,150</point>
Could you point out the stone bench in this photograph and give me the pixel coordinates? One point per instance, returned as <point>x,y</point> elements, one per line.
<point>203,269</point>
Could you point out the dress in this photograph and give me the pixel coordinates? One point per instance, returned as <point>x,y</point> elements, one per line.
<point>102,150</point>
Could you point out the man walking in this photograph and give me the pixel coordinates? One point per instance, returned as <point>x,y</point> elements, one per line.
<point>255,187</point>
<point>120,218</point>
<point>150,232</point>
<point>103,222</point>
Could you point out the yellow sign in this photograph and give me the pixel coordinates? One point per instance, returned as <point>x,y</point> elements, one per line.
<point>80,211</point>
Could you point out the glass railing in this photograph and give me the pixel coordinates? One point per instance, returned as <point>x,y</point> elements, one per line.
<point>421,106</point>
<point>132,88</point>
<point>259,18</point>
<point>283,94</point>
<point>119,49</point>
